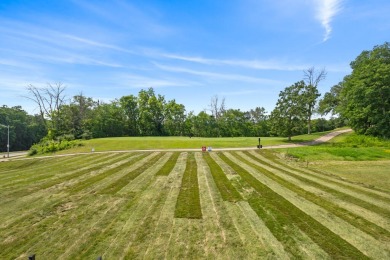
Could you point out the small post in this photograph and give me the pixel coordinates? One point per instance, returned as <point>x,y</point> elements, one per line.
<point>8,143</point>
<point>31,257</point>
<point>259,146</point>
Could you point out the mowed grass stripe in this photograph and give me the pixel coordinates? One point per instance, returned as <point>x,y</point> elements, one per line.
<point>158,248</point>
<point>221,236</point>
<point>30,199</point>
<point>90,215</point>
<point>169,165</point>
<point>380,207</point>
<point>52,179</point>
<point>283,212</point>
<point>118,164</point>
<point>25,167</point>
<point>26,176</point>
<point>117,185</point>
<point>353,219</point>
<point>188,201</point>
<point>333,179</point>
<point>225,187</point>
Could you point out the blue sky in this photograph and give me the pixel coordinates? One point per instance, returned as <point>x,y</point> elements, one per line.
<point>246,51</point>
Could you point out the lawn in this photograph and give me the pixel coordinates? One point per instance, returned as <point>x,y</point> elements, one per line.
<point>149,143</point>
<point>191,205</point>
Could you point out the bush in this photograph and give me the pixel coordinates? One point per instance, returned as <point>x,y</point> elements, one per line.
<point>355,140</point>
<point>50,146</point>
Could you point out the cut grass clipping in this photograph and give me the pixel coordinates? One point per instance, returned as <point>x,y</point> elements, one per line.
<point>188,202</point>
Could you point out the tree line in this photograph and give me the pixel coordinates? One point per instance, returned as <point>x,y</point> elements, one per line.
<point>361,100</point>
<point>147,114</point>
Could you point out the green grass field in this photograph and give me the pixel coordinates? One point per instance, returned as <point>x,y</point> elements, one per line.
<point>191,205</point>
<point>148,143</point>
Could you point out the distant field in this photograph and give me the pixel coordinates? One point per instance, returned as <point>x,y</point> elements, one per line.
<point>145,143</point>
<point>191,205</point>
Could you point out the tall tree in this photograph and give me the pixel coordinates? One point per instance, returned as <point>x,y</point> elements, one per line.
<point>151,113</point>
<point>49,100</point>
<point>174,118</point>
<point>331,101</point>
<point>130,108</point>
<point>365,96</point>
<point>310,93</point>
<point>288,116</point>
<point>259,119</point>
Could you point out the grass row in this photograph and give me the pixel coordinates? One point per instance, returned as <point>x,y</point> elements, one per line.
<point>279,214</point>
<point>104,173</point>
<point>117,185</point>
<point>225,187</point>
<point>47,183</point>
<point>188,201</point>
<point>30,173</point>
<point>169,165</point>
<point>353,219</point>
<point>319,175</point>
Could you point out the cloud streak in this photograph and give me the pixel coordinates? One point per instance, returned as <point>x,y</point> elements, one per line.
<point>219,76</point>
<point>326,10</point>
<point>252,64</point>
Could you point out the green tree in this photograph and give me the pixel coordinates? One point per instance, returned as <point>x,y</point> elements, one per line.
<point>25,129</point>
<point>289,114</point>
<point>151,113</point>
<point>174,119</point>
<point>331,101</point>
<point>310,93</point>
<point>259,119</point>
<point>365,96</point>
<point>130,109</point>
<point>108,120</point>
<point>77,116</point>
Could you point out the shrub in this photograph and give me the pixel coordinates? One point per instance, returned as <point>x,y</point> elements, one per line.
<point>50,146</point>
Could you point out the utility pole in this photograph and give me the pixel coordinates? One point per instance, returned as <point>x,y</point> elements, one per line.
<point>1,126</point>
<point>8,143</point>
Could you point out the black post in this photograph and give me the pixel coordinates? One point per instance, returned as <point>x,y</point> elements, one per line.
<point>259,146</point>
<point>31,257</point>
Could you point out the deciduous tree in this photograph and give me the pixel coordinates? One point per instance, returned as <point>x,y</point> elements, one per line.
<point>365,96</point>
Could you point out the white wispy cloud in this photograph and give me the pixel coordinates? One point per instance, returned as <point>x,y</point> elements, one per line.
<point>326,10</point>
<point>252,64</point>
<point>214,75</point>
<point>135,81</point>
